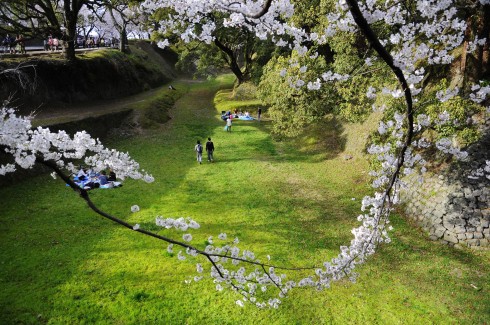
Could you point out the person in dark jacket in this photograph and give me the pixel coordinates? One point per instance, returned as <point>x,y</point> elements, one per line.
<point>210,149</point>
<point>112,176</point>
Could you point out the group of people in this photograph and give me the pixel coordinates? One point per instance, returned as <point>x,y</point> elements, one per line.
<point>198,148</point>
<point>13,44</point>
<point>88,179</point>
<point>52,44</point>
<point>236,114</point>
<point>96,42</point>
<point>229,116</point>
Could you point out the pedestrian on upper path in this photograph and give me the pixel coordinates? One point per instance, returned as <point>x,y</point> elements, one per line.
<point>210,149</point>
<point>19,44</point>
<point>198,150</point>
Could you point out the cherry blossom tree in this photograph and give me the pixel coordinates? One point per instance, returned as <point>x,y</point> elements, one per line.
<point>412,46</point>
<point>122,14</point>
<point>89,21</point>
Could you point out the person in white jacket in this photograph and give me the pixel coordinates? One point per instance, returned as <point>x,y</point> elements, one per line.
<point>198,149</point>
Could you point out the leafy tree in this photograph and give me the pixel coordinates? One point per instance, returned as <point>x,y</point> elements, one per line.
<point>200,60</point>
<point>31,17</point>
<point>344,53</point>
<point>463,124</point>
<point>238,46</point>
<point>291,106</point>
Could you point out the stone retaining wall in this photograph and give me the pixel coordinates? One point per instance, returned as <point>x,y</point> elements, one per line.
<point>453,206</point>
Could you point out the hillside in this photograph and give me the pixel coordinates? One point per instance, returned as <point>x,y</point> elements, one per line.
<point>48,82</point>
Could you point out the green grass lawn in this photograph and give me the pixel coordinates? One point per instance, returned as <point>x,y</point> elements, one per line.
<point>63,264</point>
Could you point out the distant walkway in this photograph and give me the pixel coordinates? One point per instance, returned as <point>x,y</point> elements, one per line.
<point>37,51</point>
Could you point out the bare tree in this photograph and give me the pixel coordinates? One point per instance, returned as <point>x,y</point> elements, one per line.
<point>122,14</point>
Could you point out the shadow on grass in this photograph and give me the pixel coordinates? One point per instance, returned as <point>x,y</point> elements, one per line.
<point>319,142</point>
<point>277,225</point>
<point>49,251</point>
<point>326,138</point>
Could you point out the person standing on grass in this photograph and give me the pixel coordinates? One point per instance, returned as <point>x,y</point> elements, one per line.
<point>259,113</point>
<point>198,149</point>
<point>228,124</point>
<point>210,149</point>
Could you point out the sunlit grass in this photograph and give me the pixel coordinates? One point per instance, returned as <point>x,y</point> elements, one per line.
<point>295,200</point>
<point>224,102</point>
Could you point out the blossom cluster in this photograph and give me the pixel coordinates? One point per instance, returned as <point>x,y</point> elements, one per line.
<point>430,40</point>
<point>226,268</point>
<point>26,146</point>
<point>180,223</point>
<point>187,14</point>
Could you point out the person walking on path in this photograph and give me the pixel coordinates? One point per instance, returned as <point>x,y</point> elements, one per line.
<point>210,149</point>
<point>198,149</point>
<point>9,43</point>
<point>20,45</point>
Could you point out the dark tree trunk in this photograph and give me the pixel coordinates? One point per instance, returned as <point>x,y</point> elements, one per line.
<point>232,61</point>
<point>72,8</point>
<point>482,68</point>
<point>69,41</point>
<point>121,28</point>
<point>248,53</point>
<point>123,40</point>
<point>473,66</point>
<point>464,53</point>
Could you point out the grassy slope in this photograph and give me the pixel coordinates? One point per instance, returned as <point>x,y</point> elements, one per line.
<point>96,76</point>
<point>60,263</point>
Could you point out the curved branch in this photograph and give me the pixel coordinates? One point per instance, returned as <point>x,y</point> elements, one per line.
<point>232,60</point>
<point>263,11</point>
<point>386,56</point>
<point>84,194</point>
<point>388,59</point>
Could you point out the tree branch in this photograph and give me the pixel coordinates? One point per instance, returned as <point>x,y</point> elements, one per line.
<point>262,12</point>
<point>383,53</point>
<point>85,195</point>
